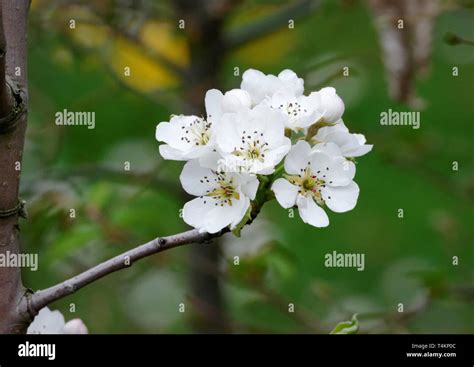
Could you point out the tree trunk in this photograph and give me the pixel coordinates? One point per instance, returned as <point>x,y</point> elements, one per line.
<point>13,102</point>
<point>203,22</point>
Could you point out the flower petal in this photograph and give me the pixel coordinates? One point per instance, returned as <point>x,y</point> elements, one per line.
<point>330,149</point>
<point>211,160</point>
<point>342,198</point>
<point>197,180</point>
<point>335,171</point>
<point>291,82</point>
<point>47,322</point>
<point>197,151</point>
<point>168,152</point>
<point>212,102</point>
<point>229,131</point>
<point>332,104</point>
<point>311,213</point>
<point>360,138</point>
<point>75,326</point>
<point>249,185</point>
<point>207,215</point>
<point>345,141</point>
<point>271,122</point>
<point>236,99</point>
<point>285,192</point>
<point>275,155</point>
<point>324,131</point>
<point>259,85</point>
<point>196,212</point>
<point>237,211</point>
<point>360,151</point>
<point>164,132</point>
<point>253,82</point>
<point>297,158</point>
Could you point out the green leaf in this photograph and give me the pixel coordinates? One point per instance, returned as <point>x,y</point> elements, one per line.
<point>236,231</point>
<point>347,327</point>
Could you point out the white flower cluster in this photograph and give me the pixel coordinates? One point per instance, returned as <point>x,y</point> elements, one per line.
<point>238,149</point>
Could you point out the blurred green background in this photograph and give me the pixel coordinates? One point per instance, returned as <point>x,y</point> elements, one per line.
<point>408,260</point>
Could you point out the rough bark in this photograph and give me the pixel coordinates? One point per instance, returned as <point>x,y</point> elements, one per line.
<point>13,56</point>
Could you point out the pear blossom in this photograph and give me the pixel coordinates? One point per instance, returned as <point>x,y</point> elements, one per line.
<point>53,322</point>
<point>328,103</point>
<point>285,92</point>
<point>315,179</point>
<point>189,137</point>
<point>223,197</point>
<point>247,134</point>
<point>299,111</point>
<point>253,140</point>
<point>350,145</point>
<point>259,85</point>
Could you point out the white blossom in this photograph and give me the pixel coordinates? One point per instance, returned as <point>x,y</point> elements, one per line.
<point>223,197</point>
<point>299,112</point>
<point>253,140</point>
<point>315,179</point>
<point>238,149</point>
<point>189,137</point>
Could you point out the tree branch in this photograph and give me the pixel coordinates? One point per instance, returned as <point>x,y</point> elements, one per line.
<point>32,303</point>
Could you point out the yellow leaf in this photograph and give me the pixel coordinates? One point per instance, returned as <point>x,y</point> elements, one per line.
<point>144,74</point>
<point>89,35</point>
<point>162,38</point>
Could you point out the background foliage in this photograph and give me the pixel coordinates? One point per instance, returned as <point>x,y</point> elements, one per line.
<point>408,260</point>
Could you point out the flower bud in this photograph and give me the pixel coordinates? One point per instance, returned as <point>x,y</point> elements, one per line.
<point>332,105</point>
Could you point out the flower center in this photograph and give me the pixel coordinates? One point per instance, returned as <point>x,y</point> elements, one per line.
<point>225,191</point>
<point>252,146</point>
<point>309,184</point>
<point>197,132</point>
<point>293,109</point>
